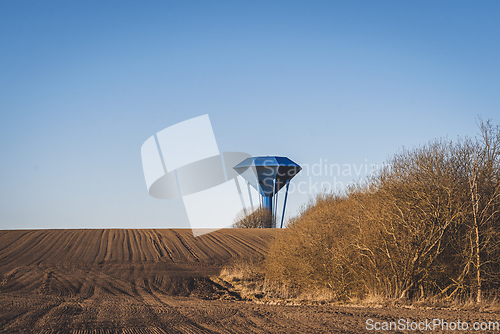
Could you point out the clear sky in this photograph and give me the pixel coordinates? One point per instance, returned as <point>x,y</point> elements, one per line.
<point>339,83</point>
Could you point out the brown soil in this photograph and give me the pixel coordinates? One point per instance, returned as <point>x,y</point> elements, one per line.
<point>157,281</point>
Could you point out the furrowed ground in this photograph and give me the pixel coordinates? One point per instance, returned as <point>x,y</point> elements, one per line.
<point>156,281</point>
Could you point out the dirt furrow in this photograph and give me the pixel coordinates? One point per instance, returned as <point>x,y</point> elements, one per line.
<point>186,246</point>
<point>163,247</point>
<point>156,281</point>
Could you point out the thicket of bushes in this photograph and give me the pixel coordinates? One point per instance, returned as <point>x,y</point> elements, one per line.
<point>427,224</point>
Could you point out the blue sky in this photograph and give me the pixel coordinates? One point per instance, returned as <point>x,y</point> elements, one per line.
<point>84,84</point>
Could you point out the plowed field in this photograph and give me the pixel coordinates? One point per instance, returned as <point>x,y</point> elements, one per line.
<point>154,281</point>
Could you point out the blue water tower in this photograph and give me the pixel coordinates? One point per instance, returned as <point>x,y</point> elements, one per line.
<point>268,175</point>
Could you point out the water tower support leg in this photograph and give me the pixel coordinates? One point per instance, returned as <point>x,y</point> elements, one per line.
<point>268,204</point>
<point>275,214</point>
<point>284,203</point>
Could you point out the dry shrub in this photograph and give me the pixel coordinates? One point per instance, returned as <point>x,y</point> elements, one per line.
<point>306,256</point>
<point>258,218</point>
<point>427,224</point>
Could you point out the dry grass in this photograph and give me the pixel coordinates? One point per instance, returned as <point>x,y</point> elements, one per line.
<point>488,304</point>
<point>247,279</point>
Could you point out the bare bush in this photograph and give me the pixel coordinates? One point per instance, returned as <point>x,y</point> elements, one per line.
<point>480,238</point>
<point>258,218</point>
<point>307,257</point>
<point>427,224</point>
